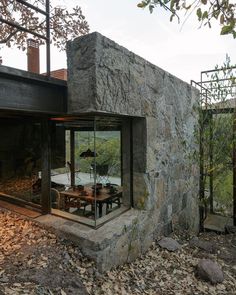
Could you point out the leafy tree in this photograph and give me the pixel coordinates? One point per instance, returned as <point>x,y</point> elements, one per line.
<point>206,10</point>
<point>64,24</point>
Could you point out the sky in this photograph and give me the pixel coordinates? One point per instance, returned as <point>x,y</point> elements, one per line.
<point>183,50</point>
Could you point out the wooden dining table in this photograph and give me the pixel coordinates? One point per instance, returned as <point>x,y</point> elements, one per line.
<point>75,195</point>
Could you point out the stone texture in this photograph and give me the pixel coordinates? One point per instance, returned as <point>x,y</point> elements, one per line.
<point>203,245</point>
<point>210,271</point>
<point>169,244</point>
<point>105,78</point>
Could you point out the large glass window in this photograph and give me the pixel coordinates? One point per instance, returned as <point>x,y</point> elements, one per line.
<point>20,160</point>
<point>87,178</point>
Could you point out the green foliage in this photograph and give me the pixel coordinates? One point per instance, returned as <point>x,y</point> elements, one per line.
<point>107,149</point>
<point>221,84</point>
<point>221,10</point>
<point>223,192</point>
<point>218,141</point>
<point>199,14</point>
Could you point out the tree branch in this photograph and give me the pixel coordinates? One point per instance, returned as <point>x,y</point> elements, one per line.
<point>9,37</point>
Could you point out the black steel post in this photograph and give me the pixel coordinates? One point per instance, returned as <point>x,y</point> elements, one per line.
<point>72,158</point>
<point>234,168</point>
<point>48,37</point>
<point>210,122</point>
<point>201,161</point>
<point>95,172</point>
<point>201,181</point>
<point>46,167</point>
<point>131,151</point>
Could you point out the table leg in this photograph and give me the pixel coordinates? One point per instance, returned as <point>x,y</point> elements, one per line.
<point>100,209</point>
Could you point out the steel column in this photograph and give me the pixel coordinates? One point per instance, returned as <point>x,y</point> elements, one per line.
<point>210,122</point>
<point>234,168</point>
<point>46,167</point>
<point>48,37</point>
<point>201,162</point>
<point>72,157</point>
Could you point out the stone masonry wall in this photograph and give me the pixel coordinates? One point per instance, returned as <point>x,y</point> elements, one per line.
<point>104,77</point>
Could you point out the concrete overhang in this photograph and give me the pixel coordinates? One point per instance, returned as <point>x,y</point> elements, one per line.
<point>30,92</point>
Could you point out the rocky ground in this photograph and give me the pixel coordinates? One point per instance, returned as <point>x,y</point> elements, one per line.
<point>34,260</point>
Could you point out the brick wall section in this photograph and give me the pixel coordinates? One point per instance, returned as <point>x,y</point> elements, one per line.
<point>59,74</point>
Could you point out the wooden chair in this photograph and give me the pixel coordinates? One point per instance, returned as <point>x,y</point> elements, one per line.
<point>116,199</point>
<point>56,199</point>
<point>103,173</point>
<point>68,164</point>
<point>71,202</point>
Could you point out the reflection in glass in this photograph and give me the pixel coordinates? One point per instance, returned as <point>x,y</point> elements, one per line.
<point>20,160</point>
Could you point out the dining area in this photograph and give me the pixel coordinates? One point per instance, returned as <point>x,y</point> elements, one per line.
<point>91,167</point>
<point>91,201</point>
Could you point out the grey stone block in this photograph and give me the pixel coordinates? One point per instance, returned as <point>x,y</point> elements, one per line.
<point>169,244</point>
<point>203,245</point>
<point>105,78</point>
<point>208,270</point>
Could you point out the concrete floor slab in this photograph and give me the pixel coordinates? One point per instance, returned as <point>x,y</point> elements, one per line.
<point>20,210</point>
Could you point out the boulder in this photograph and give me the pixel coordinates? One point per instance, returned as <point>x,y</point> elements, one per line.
<point>210,271</point>
<point>203,245</point>
<point>169,244</point>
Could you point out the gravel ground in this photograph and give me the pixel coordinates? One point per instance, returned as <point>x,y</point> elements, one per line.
<point>34,260</point>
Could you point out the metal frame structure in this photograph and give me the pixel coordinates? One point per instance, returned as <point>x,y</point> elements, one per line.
<point>46,13</point>
<point>208,110</point>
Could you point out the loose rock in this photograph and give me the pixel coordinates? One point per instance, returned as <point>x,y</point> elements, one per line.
<point>38,267</point>
<point>169,244</point>
<point>203,245</point>
<point>208,270</point>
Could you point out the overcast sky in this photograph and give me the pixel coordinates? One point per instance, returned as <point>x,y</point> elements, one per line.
<point>183,52</point>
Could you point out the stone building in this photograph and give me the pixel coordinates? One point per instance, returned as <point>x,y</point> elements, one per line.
<point>110,93</point>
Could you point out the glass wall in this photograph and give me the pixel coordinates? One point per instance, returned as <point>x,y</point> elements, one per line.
<point>87,183</point>
<point>20,160</point>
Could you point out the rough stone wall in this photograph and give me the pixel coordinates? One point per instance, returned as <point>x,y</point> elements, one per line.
<point>104,77</point>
